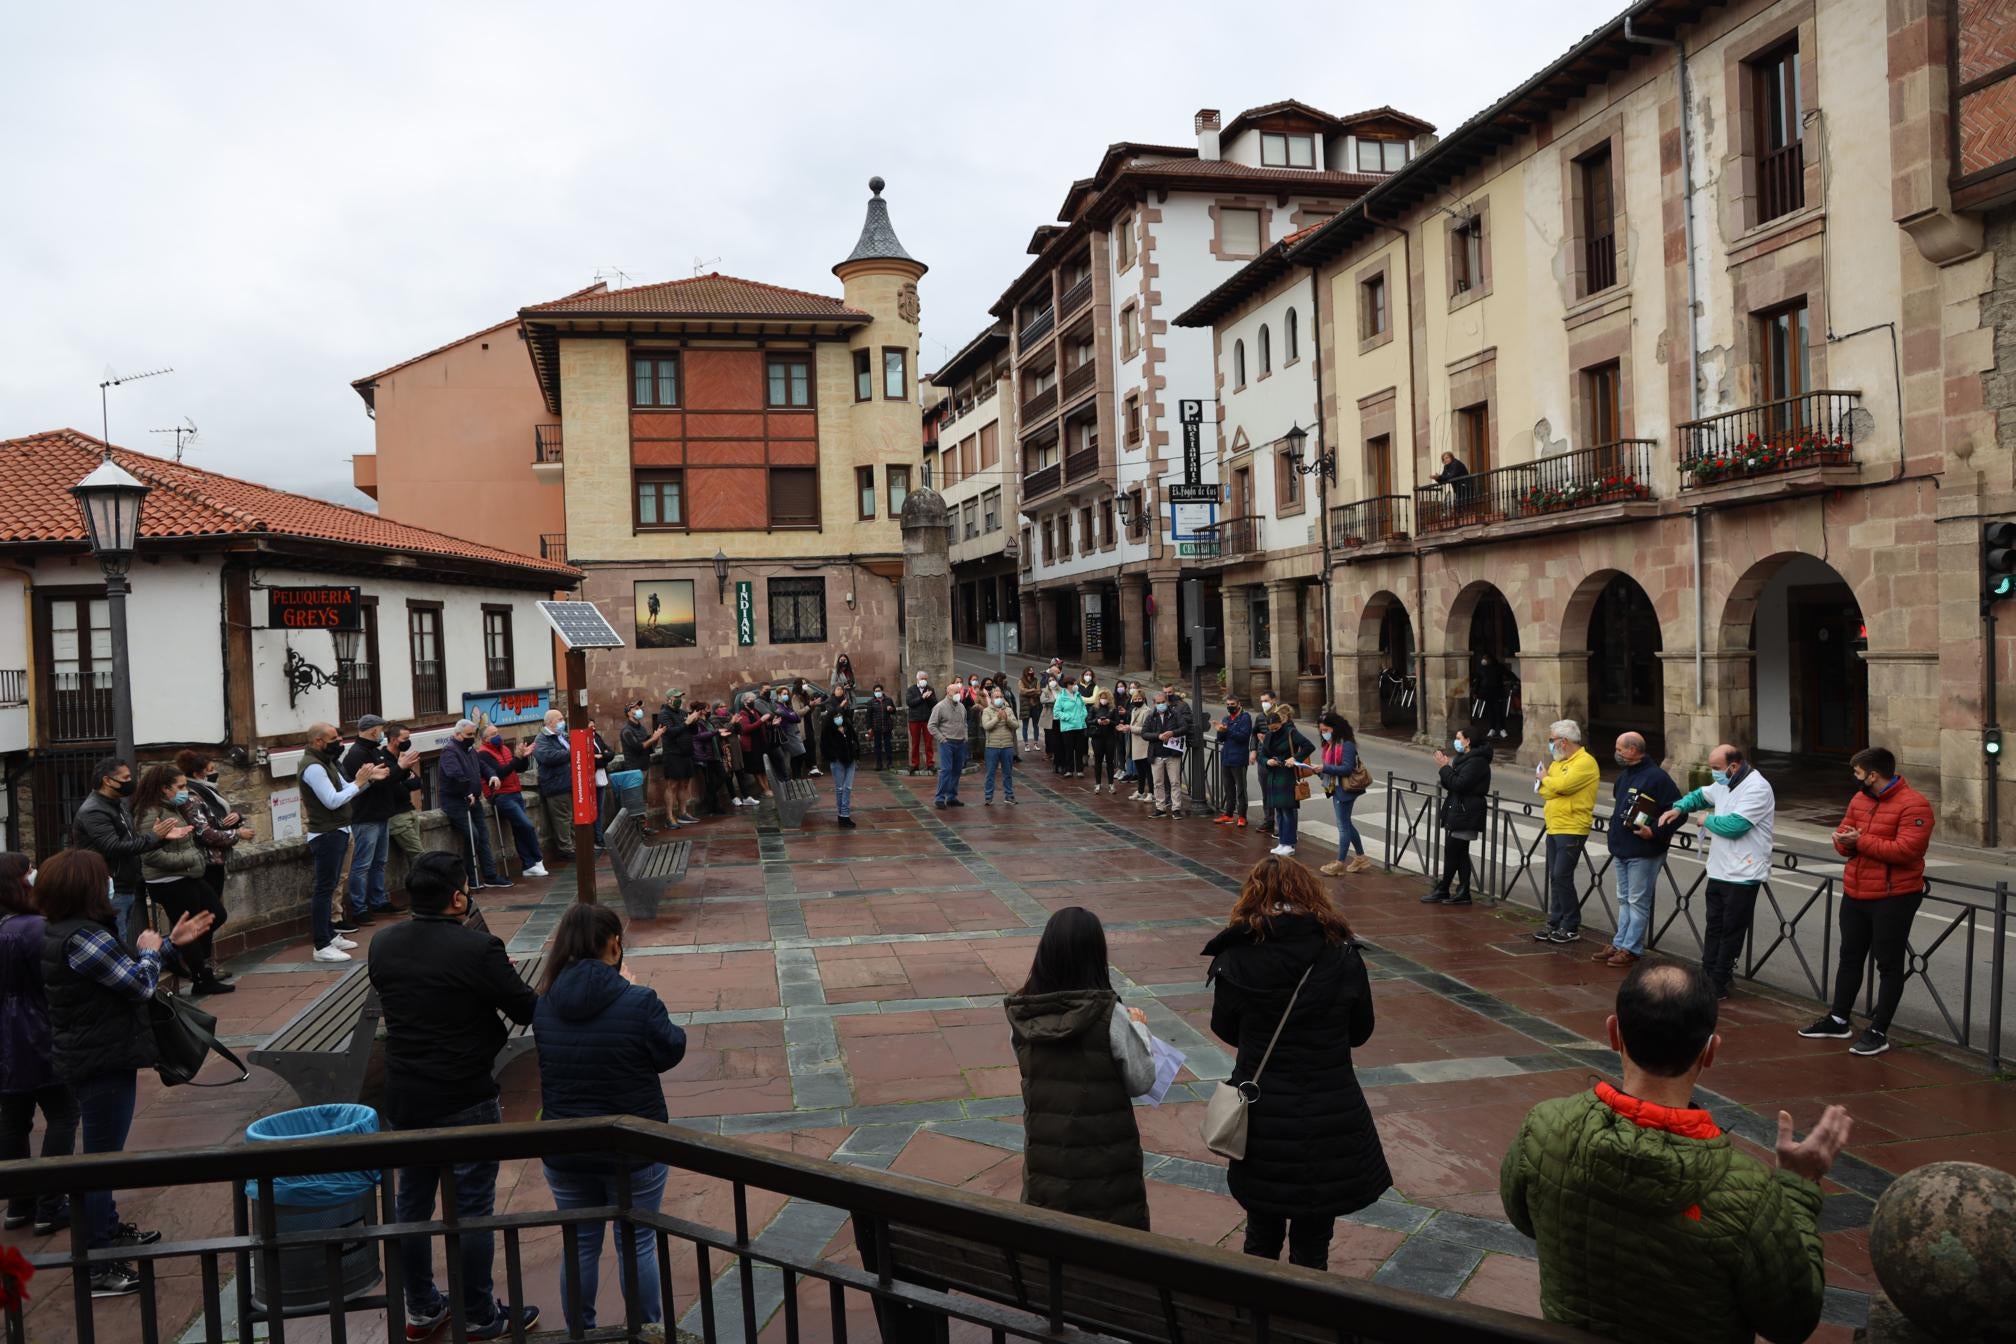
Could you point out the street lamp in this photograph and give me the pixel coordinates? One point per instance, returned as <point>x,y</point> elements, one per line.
<point>1123,506</point>
<point>1297,439</point>
<point>1325,468</point>
<point>721,573</point>
<point>110,499</point>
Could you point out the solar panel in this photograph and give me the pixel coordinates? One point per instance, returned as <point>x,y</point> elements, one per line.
<point>581,625</point>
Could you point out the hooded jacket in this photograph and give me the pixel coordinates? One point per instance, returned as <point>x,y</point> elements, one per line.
<point>1653,1228</point>
<point>1465,782</point>
<point>1069,710</point>
<point>1311,1149</point>
<point>1889,858</point>
<point>602,1044</point>
<point>27,1049</point>
<point>1083,1154</point>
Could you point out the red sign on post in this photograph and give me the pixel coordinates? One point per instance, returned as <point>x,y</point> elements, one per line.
<point>581,764</point>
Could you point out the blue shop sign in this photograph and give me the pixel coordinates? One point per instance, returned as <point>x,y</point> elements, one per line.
<point>505,708</point>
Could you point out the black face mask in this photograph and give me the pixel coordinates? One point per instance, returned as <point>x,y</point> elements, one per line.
<point>123,787</point>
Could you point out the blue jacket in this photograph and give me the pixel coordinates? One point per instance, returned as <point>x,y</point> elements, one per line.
<point>461,776</point>
<point>1235,739</point>
<point>1660,793</point>
<point>26,1051</point>
<point>602,1044</point>
<point>553,754</point>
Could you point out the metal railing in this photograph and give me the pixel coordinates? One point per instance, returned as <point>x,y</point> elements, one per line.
<point>430,687</point>
<point>1083,463</point>
<point>80,706</point>
<point>1812,429</point>
<point>1240,535</point>
<point>13,686</point>
<point>1610,473</point>
<point>1039,406</point>
<point>1512,866</point>
<point>1781,181</point>
<point>1041,482</point>
<point>552,545</point>
<point>1369,521</point>
<point>1063,1274</point>
<point>545,443</point>
<point>356,691</point>
<point>1080,379</point>
<point>1076,296</point>
<point>1599,260</point>
<point>1035,328</point>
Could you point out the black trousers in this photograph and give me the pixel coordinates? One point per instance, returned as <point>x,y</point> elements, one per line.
<point>1308,1238</point>
<point>59,1138</point>
<point>1884,926</point>
<point>1456,872</point>
<point>1235,791</point>
<point>186,896</point>
<point>1071,742</point>
<point>1105,757</point>
<point>1730,905</point>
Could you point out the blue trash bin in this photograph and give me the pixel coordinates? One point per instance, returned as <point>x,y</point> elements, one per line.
<point>314,1204</point>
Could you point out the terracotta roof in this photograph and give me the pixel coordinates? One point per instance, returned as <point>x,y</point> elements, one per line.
<point>1286,105</point>
<point>1187,168</point>
<point>1388,111</point>
<point>363,385</point>
<point>36,506</point>
<point>710,295</point>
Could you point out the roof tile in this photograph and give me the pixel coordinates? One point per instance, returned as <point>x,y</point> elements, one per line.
<point>710,295</point>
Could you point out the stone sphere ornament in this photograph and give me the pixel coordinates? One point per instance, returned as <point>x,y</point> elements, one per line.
<point>1943,1243</point>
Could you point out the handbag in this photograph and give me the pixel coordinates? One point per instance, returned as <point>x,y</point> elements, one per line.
<point>1225,1113</point>
<point>1359,780</point>
<point>184,1036</point>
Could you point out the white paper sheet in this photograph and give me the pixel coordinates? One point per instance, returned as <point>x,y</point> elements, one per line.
<point>1168,1059</point>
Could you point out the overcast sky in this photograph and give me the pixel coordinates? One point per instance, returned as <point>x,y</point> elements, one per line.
<point>277,200</point>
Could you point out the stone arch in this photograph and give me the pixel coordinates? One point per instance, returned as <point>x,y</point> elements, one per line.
<point>1388,656</point>
<point>1791,633</point>
<point>1612,679</point>
<point>1482,624</point>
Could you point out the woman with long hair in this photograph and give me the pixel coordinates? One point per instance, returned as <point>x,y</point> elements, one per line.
<point>1139,747</point>
<point>1286,963</point>
<point>174,872</point>
<point>1102,728</point>
<point>28,1080</point>
<point>1340,762</point>
<point>98,987</point>
<point>1083,1058</point>
<point>1465,779</point>
<point>603,1040</point>
<point>1031,703</point>
<point>1283,752</point>
<point>1070,711</point>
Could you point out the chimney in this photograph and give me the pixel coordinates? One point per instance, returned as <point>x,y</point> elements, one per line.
<point>1207,133</point>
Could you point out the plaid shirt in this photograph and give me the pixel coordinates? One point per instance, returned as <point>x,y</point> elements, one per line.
<point>97,955</point>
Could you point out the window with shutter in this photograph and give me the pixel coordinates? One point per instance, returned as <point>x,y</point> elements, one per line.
<point>794,497</point>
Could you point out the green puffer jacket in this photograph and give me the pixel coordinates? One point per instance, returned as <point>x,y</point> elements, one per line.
<point>1657,1230</point>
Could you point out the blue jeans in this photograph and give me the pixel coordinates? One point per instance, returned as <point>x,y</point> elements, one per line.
<point>1284,825</point>
<point>885,746</point>
<point>367,866</point>
<point>475,1197</point>
<point>122,906</point>
<point>327,850</point>
<point>1002,758</point>
<point>586,1190</point>
<point>105,1112</point>
<point>511,807</point>
<point>1348,838</point>
<point>951,760</point>
<point>1564,858</point>
<point>473,829</point>
<point>605,808</point>
<point>843,785</point>
<point>1636,881</point>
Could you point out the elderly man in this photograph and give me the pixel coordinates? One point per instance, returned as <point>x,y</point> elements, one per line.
<point>1568,782</point>
<point>461,799</point>
<point>1638,845</point>
<point>325,803</point>
<point>550,752</point>
<point>1739,854</point>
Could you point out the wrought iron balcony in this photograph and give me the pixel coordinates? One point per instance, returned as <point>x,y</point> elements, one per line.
<point>1781,181</point>
<point>553,546</point>
<point>1076,297</point>
<point>1611,473</point>
<point>545,443</point>
<point>1369,522</point>
<point>1239,536</point>
<point>80,706</point>
<point>1040,482</point>
<point>1813,430</point>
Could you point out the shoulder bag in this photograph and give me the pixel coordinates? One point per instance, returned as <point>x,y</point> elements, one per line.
<point>1225,1114</point>
<point>184,1036</point>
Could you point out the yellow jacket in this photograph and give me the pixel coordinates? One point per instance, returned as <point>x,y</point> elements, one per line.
<point>1570,790</point>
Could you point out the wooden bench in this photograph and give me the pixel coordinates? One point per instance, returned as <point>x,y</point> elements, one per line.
<point>643,872</point>
<point>322,1054</point>
<point>794,797</point>
<point>1093,1300</point>
<point>517,1037</point>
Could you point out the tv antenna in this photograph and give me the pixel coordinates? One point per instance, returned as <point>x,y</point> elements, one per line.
<point>104,413</point>
<point>700,265</point>
<point>185,434</point>
<point>616,273</point>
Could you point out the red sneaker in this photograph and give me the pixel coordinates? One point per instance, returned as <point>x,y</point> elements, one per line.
<point>1240,823</point>
<point>1224,819</point>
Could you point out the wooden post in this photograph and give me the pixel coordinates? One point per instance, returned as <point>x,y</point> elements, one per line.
<point>584,804</point>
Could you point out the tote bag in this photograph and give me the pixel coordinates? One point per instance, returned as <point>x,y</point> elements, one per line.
<point>1225,1113</point>
<point>184,1036</point>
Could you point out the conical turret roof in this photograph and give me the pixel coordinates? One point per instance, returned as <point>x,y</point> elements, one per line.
<point>878,241</point>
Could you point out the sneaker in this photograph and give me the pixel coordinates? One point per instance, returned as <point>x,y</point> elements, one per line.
<point>938,803</point>
<point>1461,898</point>
<point>1158,812</point>
<point>497,882</point>
<point>330,953</point>
<point>1179,814</point>
<point>1828,1028</point>
<point>1359,863</point>
<point>1011,799</point>
<point>986,802</point>
<point>129,1234</point>
<point>1222,819</point>
<point>1873,1042</point>
<point>1435,897</point>
<point>359,920</point>
<point>54,1222</point>
<point>1332,869</point>
<point>345,925</point>
<point>847,823</point>
<point>815,774</point>
<point>1282,850</point>
<point>501,1321</point>
<point>953,802</point>
<point>1565,936</point>
<point>539,869</point>
<point>345,944</point>
<point>16,1221</point>
<point>1240,823</point>
<point>116,1280</point>
<point>1543,934</point>
<point>421,1327</point>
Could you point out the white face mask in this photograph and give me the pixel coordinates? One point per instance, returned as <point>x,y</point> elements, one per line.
<point>998,702</point>
<point>1266,706</point>
<point>1326,734</point>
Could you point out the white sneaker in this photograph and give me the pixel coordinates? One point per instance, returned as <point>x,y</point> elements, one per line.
<point>1283,850</point>
<point>536,870</point>
<point>815,774</point>
<point>330,953</point>
<point>342,943</point>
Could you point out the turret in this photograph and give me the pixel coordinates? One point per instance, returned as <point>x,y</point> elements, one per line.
<point>880,279</point>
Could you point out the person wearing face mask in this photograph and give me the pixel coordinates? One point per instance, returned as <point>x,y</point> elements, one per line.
<point>1140,747</point>
<point>1167,731</point>
<point>638,739</point>
<point>553,755</point>
<point>461,799</point>
<point>1030,705</point>
<point>1340,763</point>
<point>919,701</point>
<point>1069,710</point>
<point>948,726</point>
<point>752,733</point>
<point>1053,742</point>
<point>675,759</point>
<point>501,762</point>
<point>998,726</point>
<point>1744,814</point>
<point>28,1081</point>
<point>1261,727</point>
<point>103,827</point>
<point>174,872</point>
<point>1284,751</point>
<point>371,821</point>
<point>840,748</point>
<point>1102,730</point>
<point>325,806</point>
<point>1466,781</point>
<point>1884,837</point>
<point>1235,750</point>
<point>220,828</point>
<point>1568,782</point>
<point>403,828</point>
<point>882,727</point>
<point>1637,844</point>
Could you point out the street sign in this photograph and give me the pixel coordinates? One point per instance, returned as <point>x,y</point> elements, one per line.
<point>1197,550</point>
<point>745,614</point>
<point>314,609</point>
<point>1193,522</point>
<point>581,625</point>
<point>1193,453</point>
<point>1193,494</point>
<point>581,771</point>
<point>1190,411</point>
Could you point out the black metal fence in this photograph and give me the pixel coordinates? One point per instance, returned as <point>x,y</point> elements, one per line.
<point>1509,862</point>
<point>1609,473</point>
<point>1369,522</point>
<point>1059,1277</point>
<point>1816,429</point>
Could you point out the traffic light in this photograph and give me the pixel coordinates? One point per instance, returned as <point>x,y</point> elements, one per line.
<point>1991,742</point>
<point>1998,561</point>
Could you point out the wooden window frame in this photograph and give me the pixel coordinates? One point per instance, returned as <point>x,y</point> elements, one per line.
<point>490,680</point>
<point>659,476</point>
<point>1108,537</point>
<point>902,392</point>
<point>1130,344</point>
<point>1238,365</point>
<point>1475,448</point>
<point>890,473</point>
<point>797,586</point>
<point>416,607</point>
<point>990,510</point>
<point>802,362</point>
<point>1469,278</point>
<point>1266,346</point>
<point>1375,321</point>
<point>1602,403</point>
<point>864,375</point>
<point>1291,333</point>
<point>770,501</point>
<point>1135,429</point>
<point>656,357</point>
<point>1593,229</point>
<point>864,493</point>
<point>1761,81</point>
<point>1123,243</point>
<point>1221,246</point>
<point>1287,157</point>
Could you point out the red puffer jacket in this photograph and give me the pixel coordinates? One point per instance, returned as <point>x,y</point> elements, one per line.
<point>1889,858</point>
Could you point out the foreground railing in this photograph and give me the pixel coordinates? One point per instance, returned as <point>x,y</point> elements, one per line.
<point>1967,922</point>
<point>736,1267</point>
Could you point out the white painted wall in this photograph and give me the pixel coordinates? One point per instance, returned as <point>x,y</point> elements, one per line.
<point>14,655</point>
<point>1773,649</point>
<point>1000,476</point>
<point>1266,408</point>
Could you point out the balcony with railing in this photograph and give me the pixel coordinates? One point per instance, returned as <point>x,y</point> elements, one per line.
<point>1041,482</point>
<point>356,691</point>
<point>1034,327</point>
<point>1781,181</point>
<point>1611,475</point>
<point>1239,536</point>
<point>430,687</point>
<point>1082,463</point>
<point>1378,521</point>
<point>1079,381</point>
<point>553,546</point>
<point>1077,296</point>
<point>1796,440</point>
<point>1039,406</point>
<point>13,710</point>
<point>545,443</point>
<point>1600,261</point>
<point>13,686</point>
<point>80,706</point>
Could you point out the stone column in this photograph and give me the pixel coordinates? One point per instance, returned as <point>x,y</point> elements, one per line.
<point>1285,633</point>
<point>927,586</point>
<point>1726,712</point>
<point>1443,701</point>
<point>1238,639</point>
<point>1132,586</point>
<point>1545,681</point>
<point>1166,664</point>
<point>1356,677</point>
